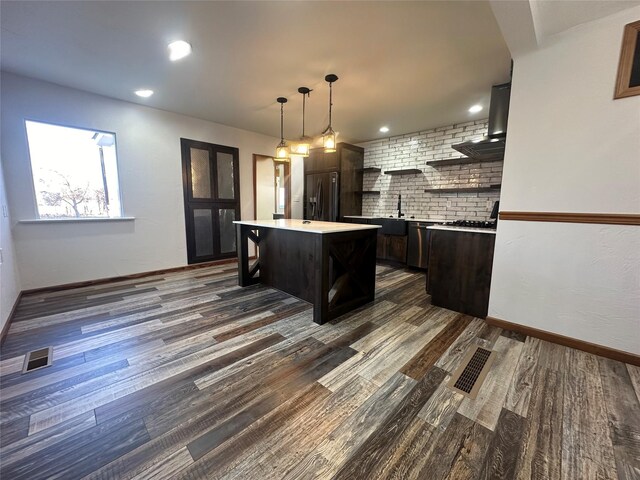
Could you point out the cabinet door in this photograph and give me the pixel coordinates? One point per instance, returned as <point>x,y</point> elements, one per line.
<point>318,161</point>
<point>351,185</point>
<point>397,249</point>
<point>381,247</point>
<point>313,162</point>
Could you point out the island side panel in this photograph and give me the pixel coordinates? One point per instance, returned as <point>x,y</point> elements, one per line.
<point>347,278</point>
<point>242,247</point>
<point>289,261</point>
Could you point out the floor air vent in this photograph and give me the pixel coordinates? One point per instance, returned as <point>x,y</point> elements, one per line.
<point>468,378</point>
<point>37,359</point>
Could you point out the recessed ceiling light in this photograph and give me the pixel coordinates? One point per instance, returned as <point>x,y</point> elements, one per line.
<point>475,109</point>
<point>179,49</point>
<point>384,129</point>
<point>144,93</point>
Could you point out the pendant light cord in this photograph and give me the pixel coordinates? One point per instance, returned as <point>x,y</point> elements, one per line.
<point>282,122</point>
<point>304,103</point>
<point>330,101</point>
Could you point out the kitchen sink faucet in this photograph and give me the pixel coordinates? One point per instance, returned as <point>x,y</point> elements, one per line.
<point>400,214</point>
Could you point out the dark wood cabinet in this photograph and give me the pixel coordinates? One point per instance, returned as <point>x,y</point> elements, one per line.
<point>392,248</point>
<point>459,274</point>
<point>348,162</point>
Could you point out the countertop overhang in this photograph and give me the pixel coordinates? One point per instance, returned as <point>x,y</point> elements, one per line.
<point>311,227</point>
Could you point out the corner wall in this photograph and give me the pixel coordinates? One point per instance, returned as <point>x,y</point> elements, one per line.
<point>571,148</point>
<point>9,278</point>
<point>150,170</point>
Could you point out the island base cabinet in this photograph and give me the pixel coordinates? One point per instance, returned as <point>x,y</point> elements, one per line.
<point>335,272</point>
<point>459,273</point>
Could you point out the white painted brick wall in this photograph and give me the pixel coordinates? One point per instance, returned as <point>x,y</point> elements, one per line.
<point>413,151</point>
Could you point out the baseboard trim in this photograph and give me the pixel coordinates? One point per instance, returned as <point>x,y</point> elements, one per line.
<point>100,281</point>
<point>5,329</point>
<point>597,218</point>
<point>588,347</point>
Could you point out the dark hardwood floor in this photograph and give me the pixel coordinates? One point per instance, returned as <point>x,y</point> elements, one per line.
<point>186,375</point>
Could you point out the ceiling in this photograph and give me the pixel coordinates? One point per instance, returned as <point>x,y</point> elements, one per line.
<point>407,65</point>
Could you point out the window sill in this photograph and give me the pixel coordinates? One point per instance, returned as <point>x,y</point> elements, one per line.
<point>78,220</point>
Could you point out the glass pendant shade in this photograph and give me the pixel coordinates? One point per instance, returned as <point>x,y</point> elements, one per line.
<point>329,141</point>
<point>301,147</point>
<point>282,151</point>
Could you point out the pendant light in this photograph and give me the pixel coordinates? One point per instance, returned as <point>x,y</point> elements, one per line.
<point>329,136</point>
<point>302,146</point>
<point>282,150</point>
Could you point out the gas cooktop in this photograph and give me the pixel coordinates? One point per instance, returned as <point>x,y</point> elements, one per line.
<point>470,224</point>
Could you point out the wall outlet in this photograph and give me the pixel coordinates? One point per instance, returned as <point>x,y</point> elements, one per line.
<point>489,205</point>
<point>448,203</point>
<point>1,258</point>
<point>5,211</point>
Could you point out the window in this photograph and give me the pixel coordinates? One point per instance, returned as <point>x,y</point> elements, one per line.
<point>75,171</point>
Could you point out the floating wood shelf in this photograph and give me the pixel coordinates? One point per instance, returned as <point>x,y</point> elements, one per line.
<point>408,171</point>
<point>463,189</point>
<point>460,161</point>
<point>370,170</point>
<point>368,192</point>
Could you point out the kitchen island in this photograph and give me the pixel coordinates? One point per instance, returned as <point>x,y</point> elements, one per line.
<point>329,264</point>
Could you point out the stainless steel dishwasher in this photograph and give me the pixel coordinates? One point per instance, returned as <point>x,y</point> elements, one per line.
<point>418,245</point>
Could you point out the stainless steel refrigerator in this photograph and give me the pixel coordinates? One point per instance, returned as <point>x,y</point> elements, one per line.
<point>321,196</point>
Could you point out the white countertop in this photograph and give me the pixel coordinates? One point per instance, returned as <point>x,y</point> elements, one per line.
<point>312,227</point>
<point>462,229</point>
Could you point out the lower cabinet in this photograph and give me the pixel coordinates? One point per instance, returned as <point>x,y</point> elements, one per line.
<point>392,248</point>
<point>459,274</point>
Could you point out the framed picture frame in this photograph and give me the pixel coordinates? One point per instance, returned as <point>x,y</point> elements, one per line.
<point>628,82</point>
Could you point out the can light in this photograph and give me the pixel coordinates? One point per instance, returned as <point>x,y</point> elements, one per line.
<point>144,93</point>
<point>179,49</point>
<point>384,129</point>
<point>475,109</point>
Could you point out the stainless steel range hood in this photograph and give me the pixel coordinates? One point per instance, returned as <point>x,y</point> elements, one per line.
<point>492,146</point>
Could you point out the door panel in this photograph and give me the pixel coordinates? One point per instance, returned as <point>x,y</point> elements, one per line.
<point>226,217</point>
<point>203,231</point>
<point>321,196</point>
<point>200,174</point>
<point>211,195</point>
<point>225,174</point>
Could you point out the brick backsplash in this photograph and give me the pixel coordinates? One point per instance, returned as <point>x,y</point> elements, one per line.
<point>414,150</point>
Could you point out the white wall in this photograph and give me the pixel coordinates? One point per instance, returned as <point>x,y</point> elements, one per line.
<point>265,189</point>
<point>149,161</point>
<point>572,148</point>
<point>297,187</point>
<point>9,278</point>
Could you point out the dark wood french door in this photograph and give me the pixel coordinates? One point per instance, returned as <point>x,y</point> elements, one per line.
<point>211,184</point>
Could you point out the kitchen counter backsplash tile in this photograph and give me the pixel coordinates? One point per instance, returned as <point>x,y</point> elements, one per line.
<point>414,150</point>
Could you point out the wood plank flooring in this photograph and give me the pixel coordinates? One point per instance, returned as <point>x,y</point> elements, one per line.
<point>186,375</point>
